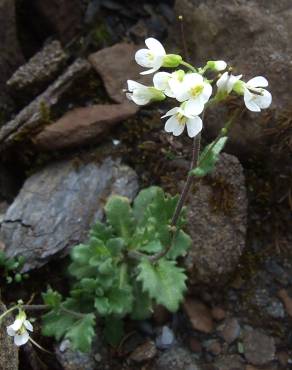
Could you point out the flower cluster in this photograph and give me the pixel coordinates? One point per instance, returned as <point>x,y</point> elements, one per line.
<point>192,89</point>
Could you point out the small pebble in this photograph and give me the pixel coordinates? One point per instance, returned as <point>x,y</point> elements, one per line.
<point>166,339</point>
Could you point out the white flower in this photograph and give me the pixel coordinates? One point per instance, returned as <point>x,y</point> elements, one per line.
<point>179,119</point>
<point>152,57</point>
<point>169,82</point>
<point>19,328</point>
<point>195,90</point>
<point>255,97</point>
<point>226,82</point>
<point>217,65</point>
<point>141,94</point>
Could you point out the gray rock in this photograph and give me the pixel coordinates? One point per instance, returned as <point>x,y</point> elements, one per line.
<point>176,358</point>
<point>166,339</point>
<point>41,69</point>
<point>270,305</point>
<point>229,362</point>
<point>8,350</point>
<point>217,222</point>
<point>31,117</point>
<point>57,205</point>
<point>259,349</point>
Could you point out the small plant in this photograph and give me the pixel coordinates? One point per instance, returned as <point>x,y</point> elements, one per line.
<point>10,268</point>
<point>129,263</point>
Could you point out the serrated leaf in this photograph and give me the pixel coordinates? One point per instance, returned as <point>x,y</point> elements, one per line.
<point>152,247</point>
<point>141,202</point>
<point>180,245</point>
<point>52,298</point>
<point>164,281</point>
<point>82,333</point>
<point>102,305</point>
<point>113,330</point>
<point>115,246</point>
<point>209,157</point>
<point>120,216</point>
<point>120,300</point>
<point>101,231</point>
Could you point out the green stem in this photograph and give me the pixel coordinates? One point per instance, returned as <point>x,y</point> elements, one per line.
<point>188,65</point>
<point>8,311</point>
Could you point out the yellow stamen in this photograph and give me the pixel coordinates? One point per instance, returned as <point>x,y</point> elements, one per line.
<point>196,90</point>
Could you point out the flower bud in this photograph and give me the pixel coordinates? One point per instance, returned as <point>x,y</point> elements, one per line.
<point>238,87</point>
<point>216,65</point>
<point>171,60</point>
<point>156,95</point>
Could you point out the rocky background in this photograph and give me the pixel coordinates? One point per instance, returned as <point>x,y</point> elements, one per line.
<point>69,139</point>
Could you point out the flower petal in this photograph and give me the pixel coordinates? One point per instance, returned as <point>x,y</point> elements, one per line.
<point>155,46</point>
<point>28,325</point>
<point>21,339</point>
<point>220,65</point>
<point>172,125</point>
<point>133,85</point>
<point>258,81</point>
<point>194,126</point>
<point>206,93</point>
<point>263,101</point>
<point>160,80</point>
<point>249,102</point>
<point>17,324</point>
<point>10,331</point>
<point>171,112</point>
<point>143,58</point>
<point>194,107</point>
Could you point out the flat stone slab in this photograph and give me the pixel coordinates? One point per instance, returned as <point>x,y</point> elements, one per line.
<point>56,206</point>
<point>39,71</point>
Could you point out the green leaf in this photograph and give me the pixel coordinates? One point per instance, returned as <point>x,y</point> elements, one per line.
<point>164,281</point>
<point>102,305</point>
<point>115,246</point>
<point>154,246</point>
<point>101,231</point>
<point>82,333</point>
<point>141,202</point>
<point>52,298</point>
<point>142,307</point>
<point>209,157</point>
<point>113,330</point>
<point>120,300</point>
<point>120,216</point>
<point>180,245</point>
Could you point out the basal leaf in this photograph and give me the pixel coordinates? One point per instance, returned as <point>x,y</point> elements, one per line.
<point>142,307</point>
<point>82,333</point>
<point>180,245</point>
<point>101,231</point>
<point>102,305</point>
<point>120,300</point>
<point>142,201</point>
<point>120,216</point>
<point>164,281</point>
<point>52,298</point>
<point>152,247</point>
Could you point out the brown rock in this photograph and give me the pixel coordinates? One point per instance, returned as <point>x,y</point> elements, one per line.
<point>199,315</point>
<point>229,362</point>
<point>214,347</point>
<point>261,47</point>
<point>116,65</point>
<point>287,300</point>
<point>31,118</point>
<point>229,330</point>
<point>283,357</point>
<point>259,349</point>
<point>195,345</point>
<point>217,212</point>
<point>81,126</point>
<point>161,315</point>
<point>218,313</point>
<point>145,352</point>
